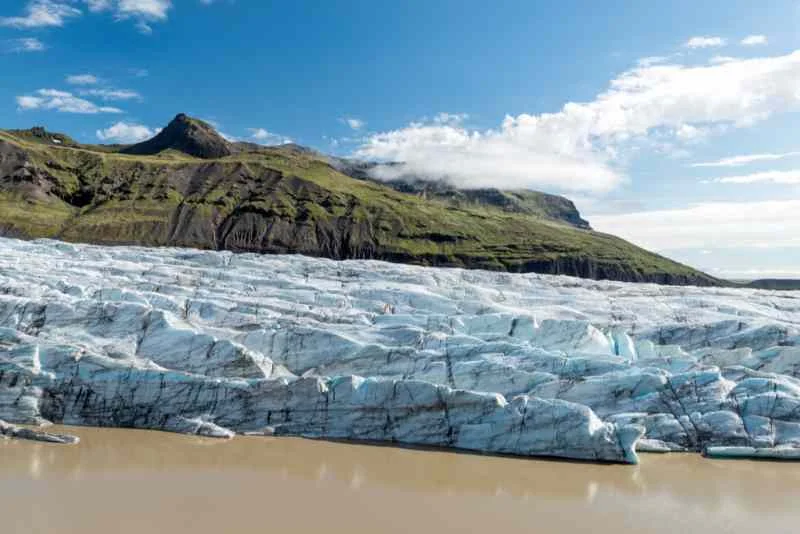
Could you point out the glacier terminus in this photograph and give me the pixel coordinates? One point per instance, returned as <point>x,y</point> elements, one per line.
<point>219,344</point>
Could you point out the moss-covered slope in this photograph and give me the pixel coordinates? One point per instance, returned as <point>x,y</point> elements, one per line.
<point>286,200</point>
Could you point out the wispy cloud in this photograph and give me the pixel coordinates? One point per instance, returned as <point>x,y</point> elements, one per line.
<point>754,40</point>
<point>104,93</point>
<point>353,123</point>
<point>721,59</point>
<point>265,137</point>
<point>54,13</point>
<point>142,12</point>
<point>450,119</point>
<point>96,6</point>
<point>705,42</point>
<point>61,101</point>
<point>126,133</point>
<point>585,145</point>
<point>42,14</point>
<point>791,177</point>
<point>739,161</point>
<point>713,225</point>
<point>689,133</point>
<point>82,79</point>
<point>112,94</point>
<point>652,60</point>
<point>28,44</point>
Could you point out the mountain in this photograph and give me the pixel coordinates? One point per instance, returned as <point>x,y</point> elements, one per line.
<point>516,201</point>
<point>778,284</point>
<point>185,134</point>
<point>190,187</point>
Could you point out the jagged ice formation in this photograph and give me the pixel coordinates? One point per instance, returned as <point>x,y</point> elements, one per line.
<point>215,343</point>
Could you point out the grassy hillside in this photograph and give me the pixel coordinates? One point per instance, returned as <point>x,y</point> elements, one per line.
<point>279,200</point>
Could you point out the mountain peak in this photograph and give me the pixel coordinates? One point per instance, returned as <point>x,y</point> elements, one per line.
<point>188,135</point>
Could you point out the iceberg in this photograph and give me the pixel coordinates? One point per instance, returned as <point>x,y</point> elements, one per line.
<point>8,431</point>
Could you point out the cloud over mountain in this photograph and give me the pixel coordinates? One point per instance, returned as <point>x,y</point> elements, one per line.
<point>582,147</point>
<point>126,133</point>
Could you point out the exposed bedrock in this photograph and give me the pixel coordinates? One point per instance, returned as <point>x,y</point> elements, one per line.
<point>216,344</point>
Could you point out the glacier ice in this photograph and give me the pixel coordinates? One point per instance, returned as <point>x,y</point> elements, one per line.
<point>215,344</point>
<point>8,431</point>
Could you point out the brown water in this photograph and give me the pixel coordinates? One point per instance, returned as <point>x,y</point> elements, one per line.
<point>127,481</point>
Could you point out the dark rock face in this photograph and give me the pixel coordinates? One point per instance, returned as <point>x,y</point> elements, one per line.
<point>185,134</point>
<point>20,175</point>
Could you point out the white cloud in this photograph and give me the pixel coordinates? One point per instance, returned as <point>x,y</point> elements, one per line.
<point>28,44</point>
<point>791,177</point>
<point>753,40</point>
<point>98,5</point>
<point>652,60</point>
<point>42,14</point>
<point>705,42</point>
<point>711,225</point>
<point>82,79</point>
<point>722,59</point>
<point>49,13</point>
<point>112,94</point>
<point>265,137</point>
<point>104,93</point>
<point>260,133</point>
<point>125,133</point>
<point>153,10</point>
<point>583,146</point>
<point>739,161</point>
<point>509,157</point>
<point>451,119</point>
<point>353,123</point>
<point>142,12</point>
<point>689,133</point>
<point>62,101</point>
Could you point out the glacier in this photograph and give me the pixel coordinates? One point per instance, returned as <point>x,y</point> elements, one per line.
<point>219,344</point>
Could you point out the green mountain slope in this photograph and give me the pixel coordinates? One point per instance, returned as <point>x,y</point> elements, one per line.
<point>291,200</point>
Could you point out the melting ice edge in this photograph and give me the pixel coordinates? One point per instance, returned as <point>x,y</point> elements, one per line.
<point>214,343</point>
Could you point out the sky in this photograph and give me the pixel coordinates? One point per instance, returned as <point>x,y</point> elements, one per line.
<point>671,124</point>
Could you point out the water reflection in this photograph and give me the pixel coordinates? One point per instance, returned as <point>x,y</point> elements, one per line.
<point>686,477</point>
<point>660,485</point>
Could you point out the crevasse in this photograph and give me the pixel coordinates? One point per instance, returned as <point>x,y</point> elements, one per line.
<point>214,343</point>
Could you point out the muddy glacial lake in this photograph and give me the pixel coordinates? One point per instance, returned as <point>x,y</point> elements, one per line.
<point>134,481</point>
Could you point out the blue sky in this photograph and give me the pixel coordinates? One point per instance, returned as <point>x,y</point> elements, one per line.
<point>672,124</point>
